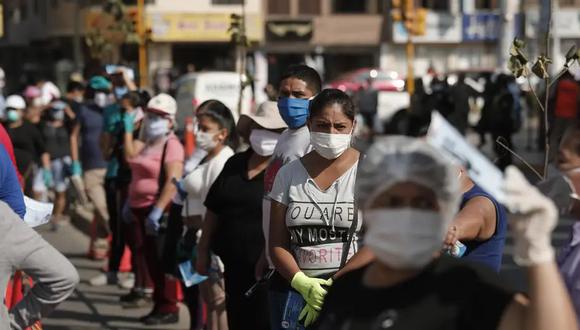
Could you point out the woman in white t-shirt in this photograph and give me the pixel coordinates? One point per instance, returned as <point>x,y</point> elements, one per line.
<point>216,135</point>
<point>313,216</point>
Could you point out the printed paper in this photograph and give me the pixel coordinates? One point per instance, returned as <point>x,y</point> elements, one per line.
<point>37,213</point>
<point>481,170</point>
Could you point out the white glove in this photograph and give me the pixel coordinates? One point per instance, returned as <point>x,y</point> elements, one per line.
<point>533,218</point>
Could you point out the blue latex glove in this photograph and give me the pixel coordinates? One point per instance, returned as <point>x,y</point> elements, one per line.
<point>47,177</point>
<point>180,188</point>
<point>76,168</point>
<point>128,124</point>
<point>126,213</point>
<point>152,221</point>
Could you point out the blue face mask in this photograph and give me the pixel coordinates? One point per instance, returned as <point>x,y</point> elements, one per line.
<point>293,111</point>
<point>120,91</point>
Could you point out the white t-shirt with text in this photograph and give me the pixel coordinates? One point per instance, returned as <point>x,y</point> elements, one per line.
<point>318,221</point>
<point>292,144</point>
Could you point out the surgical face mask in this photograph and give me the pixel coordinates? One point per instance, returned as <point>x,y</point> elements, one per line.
<point>155,128</point>
<point>404,238</point>
<point>12,115</point>
<point>263,141</point>
<point>205,140</point>
<point>293,111</point>
<point>330,146</point>
<point>101,99</point>
<point>120,91</point>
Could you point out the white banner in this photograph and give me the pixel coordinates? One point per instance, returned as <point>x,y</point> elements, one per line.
<point>565,23</point>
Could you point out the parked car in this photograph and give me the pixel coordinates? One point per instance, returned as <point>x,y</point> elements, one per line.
<point>193,89</point>
<point>383,80</point>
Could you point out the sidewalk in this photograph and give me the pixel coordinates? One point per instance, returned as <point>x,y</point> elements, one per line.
<point>93,307</point>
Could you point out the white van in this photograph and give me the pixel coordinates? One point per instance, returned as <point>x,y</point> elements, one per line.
<point>193,89</point>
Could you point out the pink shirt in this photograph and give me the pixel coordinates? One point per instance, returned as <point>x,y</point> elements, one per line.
<point>145,169</point>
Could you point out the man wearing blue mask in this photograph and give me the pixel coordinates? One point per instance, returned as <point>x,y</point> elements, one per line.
<point>298,85</point>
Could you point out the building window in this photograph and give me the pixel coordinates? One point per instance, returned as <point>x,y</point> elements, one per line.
<point>349,6</point>
<point>277,7</point>
<point>486,4</point>
<point>23,11</point>
<point>227,2</point>
<point>309,7</point>
<point>442,5</point>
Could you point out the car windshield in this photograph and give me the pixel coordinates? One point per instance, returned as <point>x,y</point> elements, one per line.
<point>381,75</point>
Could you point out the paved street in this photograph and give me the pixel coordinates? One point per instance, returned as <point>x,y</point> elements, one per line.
<point>92,307</point>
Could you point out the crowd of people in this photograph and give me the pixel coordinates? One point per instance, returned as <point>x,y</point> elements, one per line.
<point>284,218</point>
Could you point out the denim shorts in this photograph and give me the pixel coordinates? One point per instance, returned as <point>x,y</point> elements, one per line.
<point>60,168</point>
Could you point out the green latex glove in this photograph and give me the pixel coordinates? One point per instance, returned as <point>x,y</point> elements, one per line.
<point>76,168</point>
<point>309,314</point>
<point>310,288</point>
<point>47,177</point>
<point>128,124</point>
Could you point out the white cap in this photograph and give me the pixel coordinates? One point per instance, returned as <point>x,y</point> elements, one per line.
<point>15,102</point>
<point>162,104</point>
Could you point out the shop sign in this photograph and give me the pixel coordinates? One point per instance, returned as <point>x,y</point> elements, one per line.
<point>289,30</point>
<point>439,28</point>
<point>481,27</point>
<point>189,27</point>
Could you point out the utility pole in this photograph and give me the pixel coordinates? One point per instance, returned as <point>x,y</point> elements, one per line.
<point>141,32</point>
<point>240,41</point>
<point>77,43</point>
<point>410,47</point>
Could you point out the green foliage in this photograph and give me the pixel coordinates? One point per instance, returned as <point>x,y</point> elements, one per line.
<point>121,29</point>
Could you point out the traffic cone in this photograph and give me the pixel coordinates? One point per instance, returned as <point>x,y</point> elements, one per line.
<point>8,297</point>
<point>14,291</point>
<point>189,137</point>
<point>125,266</point>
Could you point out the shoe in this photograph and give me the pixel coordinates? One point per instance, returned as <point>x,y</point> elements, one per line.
<point>146,316</point>
<point>136,300</point>
<point>130,296</point>
<point>161,318</point>
<point>100,249</point>
<point>128,282</point>
<point>104,279</point>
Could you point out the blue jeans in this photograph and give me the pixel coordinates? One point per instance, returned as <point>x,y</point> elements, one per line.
<point>285,307</point>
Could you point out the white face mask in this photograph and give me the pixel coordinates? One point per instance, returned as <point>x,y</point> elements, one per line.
<point>330,146</point>
<point>156,128</point>
<point>263,141</point>
<point>404,238</point>
<point>205,140</point>
<point>101,99</point>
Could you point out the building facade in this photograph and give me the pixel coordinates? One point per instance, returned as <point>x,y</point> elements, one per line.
<point>333,36</point>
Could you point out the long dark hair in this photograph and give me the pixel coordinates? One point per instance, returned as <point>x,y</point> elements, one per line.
<point>221,115</point>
